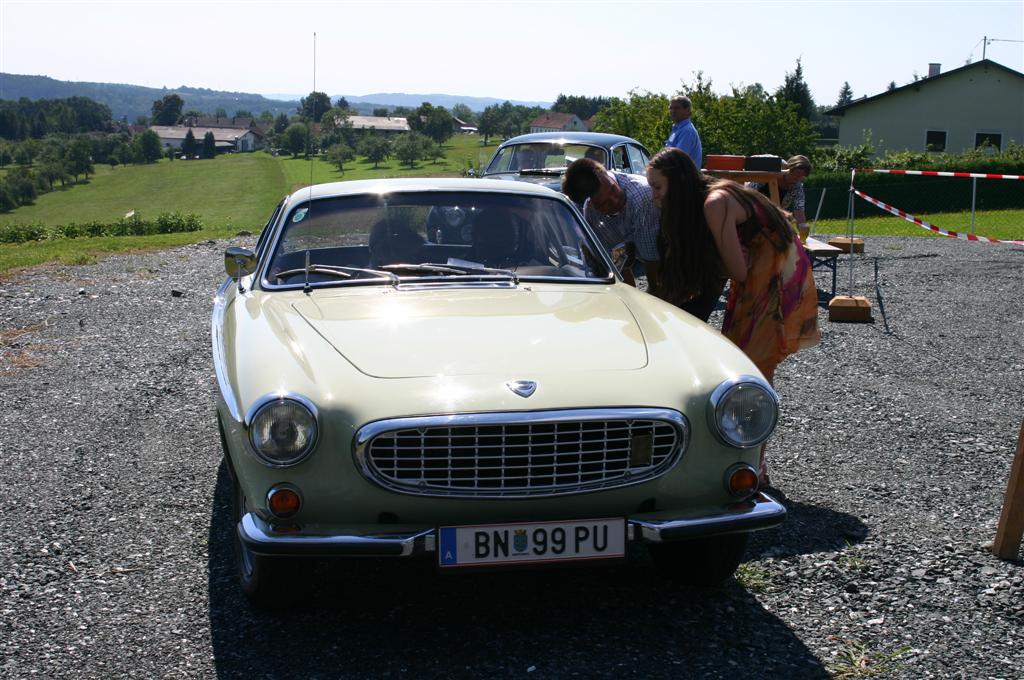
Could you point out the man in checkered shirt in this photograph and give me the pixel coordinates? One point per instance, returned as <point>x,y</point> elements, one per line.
<point>619,208</point>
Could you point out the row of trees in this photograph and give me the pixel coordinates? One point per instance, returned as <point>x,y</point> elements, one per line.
<point>28,119</point>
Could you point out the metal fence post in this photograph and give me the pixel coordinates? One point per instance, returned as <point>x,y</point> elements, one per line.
<point>974,194</point>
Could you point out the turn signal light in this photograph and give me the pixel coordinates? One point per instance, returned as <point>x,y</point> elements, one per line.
<point>283,501</point>
<point>741,480</point>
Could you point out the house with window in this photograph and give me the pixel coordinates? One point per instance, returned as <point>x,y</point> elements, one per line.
<point>225,138</point>
<point>974,105</point>
<point>558,122</point>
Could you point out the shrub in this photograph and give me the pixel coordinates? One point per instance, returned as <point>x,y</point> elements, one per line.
<point>22,233</point>
<point>166,223</point>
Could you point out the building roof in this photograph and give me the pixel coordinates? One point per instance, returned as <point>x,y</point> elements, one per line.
<point>220,135</point>
<point>237,123</point>
<point>918,84</point>
<point>551,119</point>
<point>382,123</point>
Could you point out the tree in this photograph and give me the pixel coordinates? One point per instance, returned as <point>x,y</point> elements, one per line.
<point>220,112</point>
<point>280,123</point>
<point>490,122</point>
<point>342,103</point>
<point>242,113</point>
<point>796,91</point>
<point>891,87</point>
<point>410,146</point>
<point>188,145</point>
<point>643,116</point>
<point>464,113</point>
<point>294,139</point>
<point>380,112</point>
<point>339,154</point>
<point>209,146</point>
<point>149,147</point>
<point>845,95</point>
<point>167,111</point>
<point>582,106</point>
<point>375,148</point>
<point>266,118</point>
<point>79,156</point>
<point>314,106</point>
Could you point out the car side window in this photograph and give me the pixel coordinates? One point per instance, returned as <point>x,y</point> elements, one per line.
<point>620,161</point>
<point>637,159</point>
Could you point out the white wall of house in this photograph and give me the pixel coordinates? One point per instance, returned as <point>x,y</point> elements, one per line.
<point>960,108</point>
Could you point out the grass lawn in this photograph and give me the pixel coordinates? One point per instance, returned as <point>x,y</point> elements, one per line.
<point>234,191</point>
<point>998,224</point>
<point>461,152</point>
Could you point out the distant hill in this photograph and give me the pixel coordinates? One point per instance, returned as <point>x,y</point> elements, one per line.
<point>132,101</point>
<point>393,99</point>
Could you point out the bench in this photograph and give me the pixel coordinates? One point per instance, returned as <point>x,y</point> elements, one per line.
<point>823,255</point>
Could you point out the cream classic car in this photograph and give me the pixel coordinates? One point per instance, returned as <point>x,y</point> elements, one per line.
<point>491,393</point>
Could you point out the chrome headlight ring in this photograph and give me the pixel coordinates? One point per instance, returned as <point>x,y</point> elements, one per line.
<point>743,411</point>
<point>283,429</point>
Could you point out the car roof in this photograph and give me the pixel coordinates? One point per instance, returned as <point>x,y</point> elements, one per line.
<point>418,184</point>
<point>602,138</point>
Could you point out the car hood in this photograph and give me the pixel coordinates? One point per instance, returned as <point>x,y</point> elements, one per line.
<point>389,333</point>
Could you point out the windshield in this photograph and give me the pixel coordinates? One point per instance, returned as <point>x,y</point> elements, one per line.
<point>437,236</point>
<point>542,156</point>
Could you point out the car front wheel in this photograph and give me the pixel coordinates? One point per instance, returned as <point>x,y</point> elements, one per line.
<point>264,580</point>
<point>700,562</point>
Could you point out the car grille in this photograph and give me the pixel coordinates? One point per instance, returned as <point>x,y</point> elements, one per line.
<point>522,454</point>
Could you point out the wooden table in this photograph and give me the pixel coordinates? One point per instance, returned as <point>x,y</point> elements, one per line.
<point>741,176</point>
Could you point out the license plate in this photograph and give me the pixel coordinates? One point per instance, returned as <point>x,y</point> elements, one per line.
<point>531,542</point>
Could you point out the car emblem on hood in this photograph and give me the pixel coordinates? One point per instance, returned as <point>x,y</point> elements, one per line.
<point>523,388</point>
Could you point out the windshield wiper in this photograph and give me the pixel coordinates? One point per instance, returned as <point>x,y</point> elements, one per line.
<point>341,272</point>
<point>455,269</point>
<point>542,171</point>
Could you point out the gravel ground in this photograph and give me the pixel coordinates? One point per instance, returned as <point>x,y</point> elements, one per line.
<point>893,454</point>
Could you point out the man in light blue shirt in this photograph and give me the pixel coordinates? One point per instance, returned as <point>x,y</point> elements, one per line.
<point>684,135</point>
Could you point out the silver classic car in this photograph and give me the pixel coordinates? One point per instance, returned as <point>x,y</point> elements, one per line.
<point>542,157</point>
<point>454,368</point>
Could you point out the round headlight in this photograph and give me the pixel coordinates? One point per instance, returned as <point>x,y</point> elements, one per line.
<point>283,431</point>
<point>743,412</point>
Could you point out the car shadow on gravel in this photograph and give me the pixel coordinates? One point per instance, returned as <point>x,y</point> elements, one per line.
<point>807,529</point>
<point>395,618</point>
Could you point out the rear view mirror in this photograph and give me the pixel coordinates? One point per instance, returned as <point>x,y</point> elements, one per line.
<point>239,262</point>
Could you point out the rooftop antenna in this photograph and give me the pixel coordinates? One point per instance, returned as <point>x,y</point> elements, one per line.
<point>986,41</point>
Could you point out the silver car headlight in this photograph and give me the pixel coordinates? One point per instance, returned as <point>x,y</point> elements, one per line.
<point>743,411</point>
<point>283,430</point>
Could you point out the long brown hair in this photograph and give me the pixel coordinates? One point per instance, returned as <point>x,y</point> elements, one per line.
<point>689,258</point>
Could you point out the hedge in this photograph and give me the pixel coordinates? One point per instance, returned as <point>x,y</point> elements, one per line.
<point>165,223</point>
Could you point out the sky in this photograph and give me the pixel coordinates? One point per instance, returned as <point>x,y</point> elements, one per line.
<point>526,50</point>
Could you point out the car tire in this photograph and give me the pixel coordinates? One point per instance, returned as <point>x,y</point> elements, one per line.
<point>264,580</point>
<point>700,562</point>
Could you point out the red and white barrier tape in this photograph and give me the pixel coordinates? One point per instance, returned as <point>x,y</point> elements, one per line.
<point>931,227</point>
<point>937,173</point>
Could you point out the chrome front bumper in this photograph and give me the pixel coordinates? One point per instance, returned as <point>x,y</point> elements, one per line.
<point>760,512</point>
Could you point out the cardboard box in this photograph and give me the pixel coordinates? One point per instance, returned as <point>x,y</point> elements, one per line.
<point>725,162</point>
<point>847,308</point>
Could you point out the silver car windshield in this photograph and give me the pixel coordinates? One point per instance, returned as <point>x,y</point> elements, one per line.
<point>542,156</point>
<point>437,236</point>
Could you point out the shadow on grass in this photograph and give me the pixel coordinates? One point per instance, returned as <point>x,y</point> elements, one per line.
<point>386,618</point>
